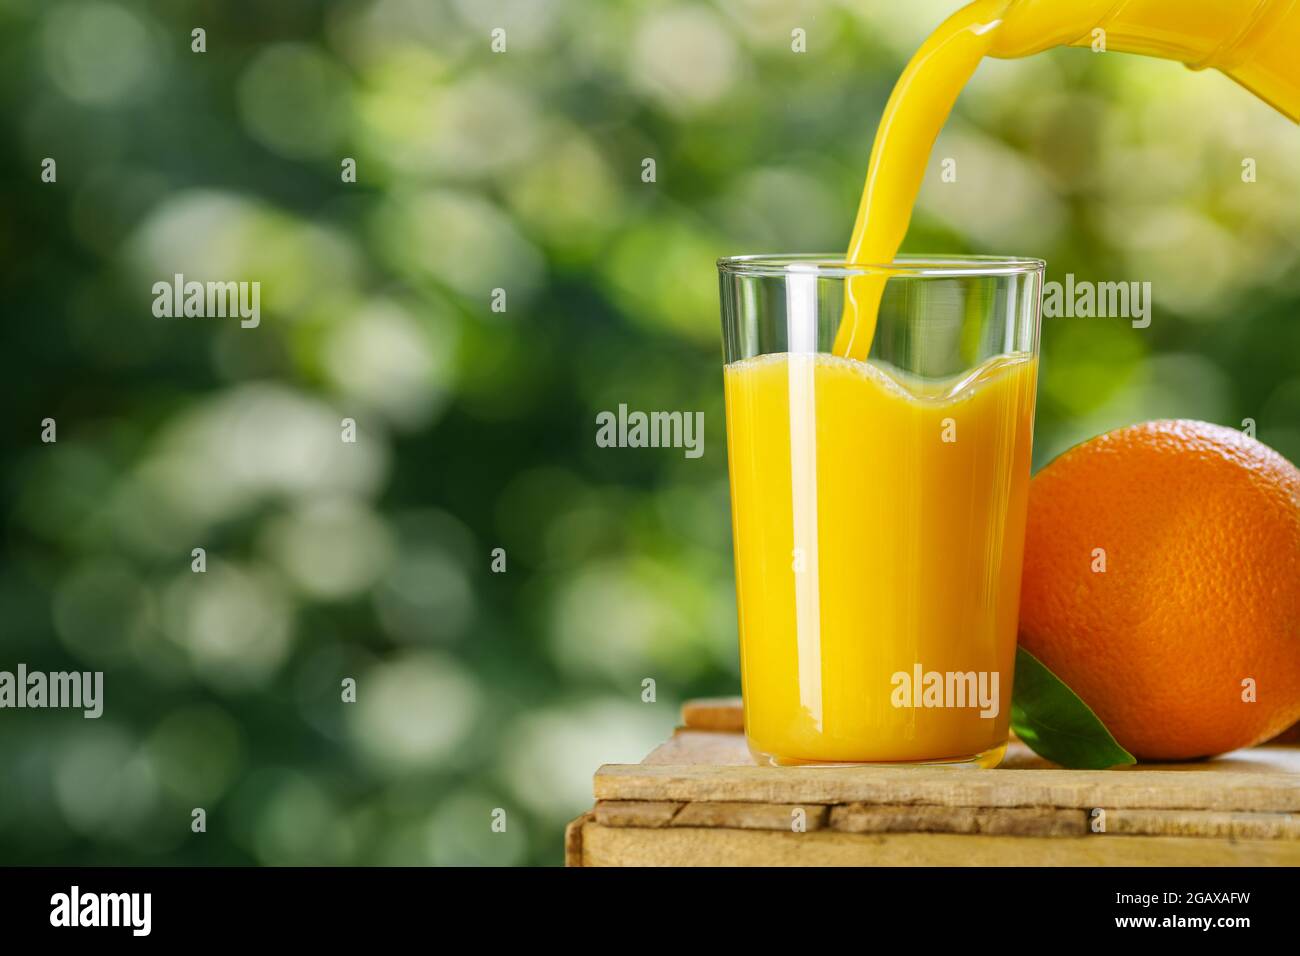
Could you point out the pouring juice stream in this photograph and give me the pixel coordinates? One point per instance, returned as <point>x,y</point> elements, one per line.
<point>1252,41</point>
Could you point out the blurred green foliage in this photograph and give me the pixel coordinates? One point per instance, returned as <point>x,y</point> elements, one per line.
<point>475,171</point>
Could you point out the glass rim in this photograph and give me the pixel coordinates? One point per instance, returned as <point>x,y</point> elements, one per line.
<point>913,266</point>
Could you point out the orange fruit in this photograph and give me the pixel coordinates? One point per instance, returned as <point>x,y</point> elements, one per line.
<point>1162,584</point>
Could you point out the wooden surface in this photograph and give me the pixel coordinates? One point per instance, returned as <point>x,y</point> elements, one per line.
<point>952,787</point>
<point>627,846</point>
<point>714,713</point>
<point>699,799</point>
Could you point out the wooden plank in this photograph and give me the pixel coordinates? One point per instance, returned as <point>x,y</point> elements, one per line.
<point>728,749</point>
<point>636,813</point>
<point>654,814</point>
<point>1006,821</point>
<point>953,787</point>
<point>750,816</point>
<point>573,839</point>
<point>688,746</point>
<point>629,846</point>
<point>724,714</point>
<point>1223,824</point>
<point>1269,758</point>
<point>1002,821</point>
<point>702,746</point>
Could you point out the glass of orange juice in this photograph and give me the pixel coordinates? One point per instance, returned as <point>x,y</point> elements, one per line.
<point>878,506</point>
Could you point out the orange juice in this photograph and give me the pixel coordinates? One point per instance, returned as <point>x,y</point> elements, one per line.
<point>878,523</point>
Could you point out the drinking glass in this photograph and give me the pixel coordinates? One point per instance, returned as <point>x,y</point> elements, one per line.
<point>878,506</point>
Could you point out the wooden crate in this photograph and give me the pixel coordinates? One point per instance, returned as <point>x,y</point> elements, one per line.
<point>699,800</point>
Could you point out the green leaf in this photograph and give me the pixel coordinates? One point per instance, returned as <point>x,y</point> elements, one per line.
<point>1055,722</point>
